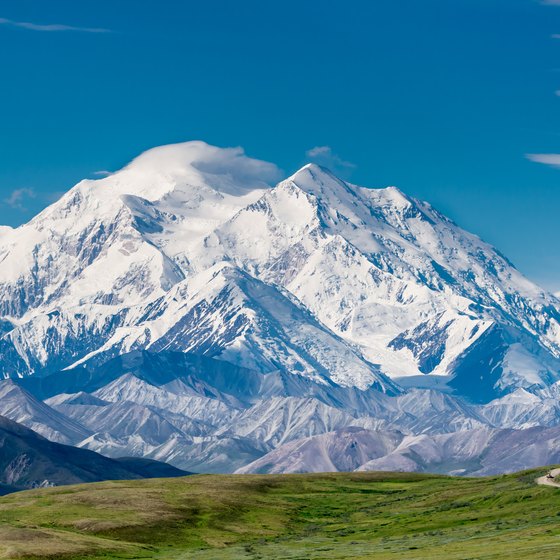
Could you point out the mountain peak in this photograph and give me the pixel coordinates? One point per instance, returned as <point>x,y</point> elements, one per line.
<point>324,184</point>
<point>315,173</point>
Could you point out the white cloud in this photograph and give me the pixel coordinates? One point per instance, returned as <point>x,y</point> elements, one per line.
<point>18,197</point>
<point>52,26</point>
<point>227,169</point>
<point>323,155</point>
<point>546,159</point>
<point>550,2</point>
<point>102,173</point>
<point>232,164</point>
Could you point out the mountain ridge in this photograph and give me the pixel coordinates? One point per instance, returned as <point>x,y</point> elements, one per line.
<point>29,461</point>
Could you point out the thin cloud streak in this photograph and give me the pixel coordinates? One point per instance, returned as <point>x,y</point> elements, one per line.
<point>53,27</point>
<point>546,159</point>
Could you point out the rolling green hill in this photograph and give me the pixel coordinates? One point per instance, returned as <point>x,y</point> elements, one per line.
<point>328,516</point>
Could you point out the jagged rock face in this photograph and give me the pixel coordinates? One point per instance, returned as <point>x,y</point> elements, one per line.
<point>17,468</point>
<point>191,248</point>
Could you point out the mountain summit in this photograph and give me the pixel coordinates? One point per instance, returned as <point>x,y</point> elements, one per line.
<point>193,248</point>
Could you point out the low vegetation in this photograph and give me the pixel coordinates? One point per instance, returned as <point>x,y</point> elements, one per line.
<point>317,516</point>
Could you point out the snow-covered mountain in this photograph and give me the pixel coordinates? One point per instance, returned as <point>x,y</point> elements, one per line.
<point>188,308</point>
<point>188,248</point>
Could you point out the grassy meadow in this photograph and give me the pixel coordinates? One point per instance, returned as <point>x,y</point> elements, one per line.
<point>316,516</point>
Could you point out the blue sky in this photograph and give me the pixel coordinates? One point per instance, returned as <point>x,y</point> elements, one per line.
<point>442,98</point>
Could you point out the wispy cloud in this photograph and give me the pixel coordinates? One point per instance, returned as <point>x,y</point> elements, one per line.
<point>102,173</point>
<point>546,159</point>
<point>18,198</point>
<point>52,26</point>
<point>324,155</point>
<point>550,2</point>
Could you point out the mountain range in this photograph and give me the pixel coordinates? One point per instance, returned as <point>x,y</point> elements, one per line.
<point>188,309</point>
